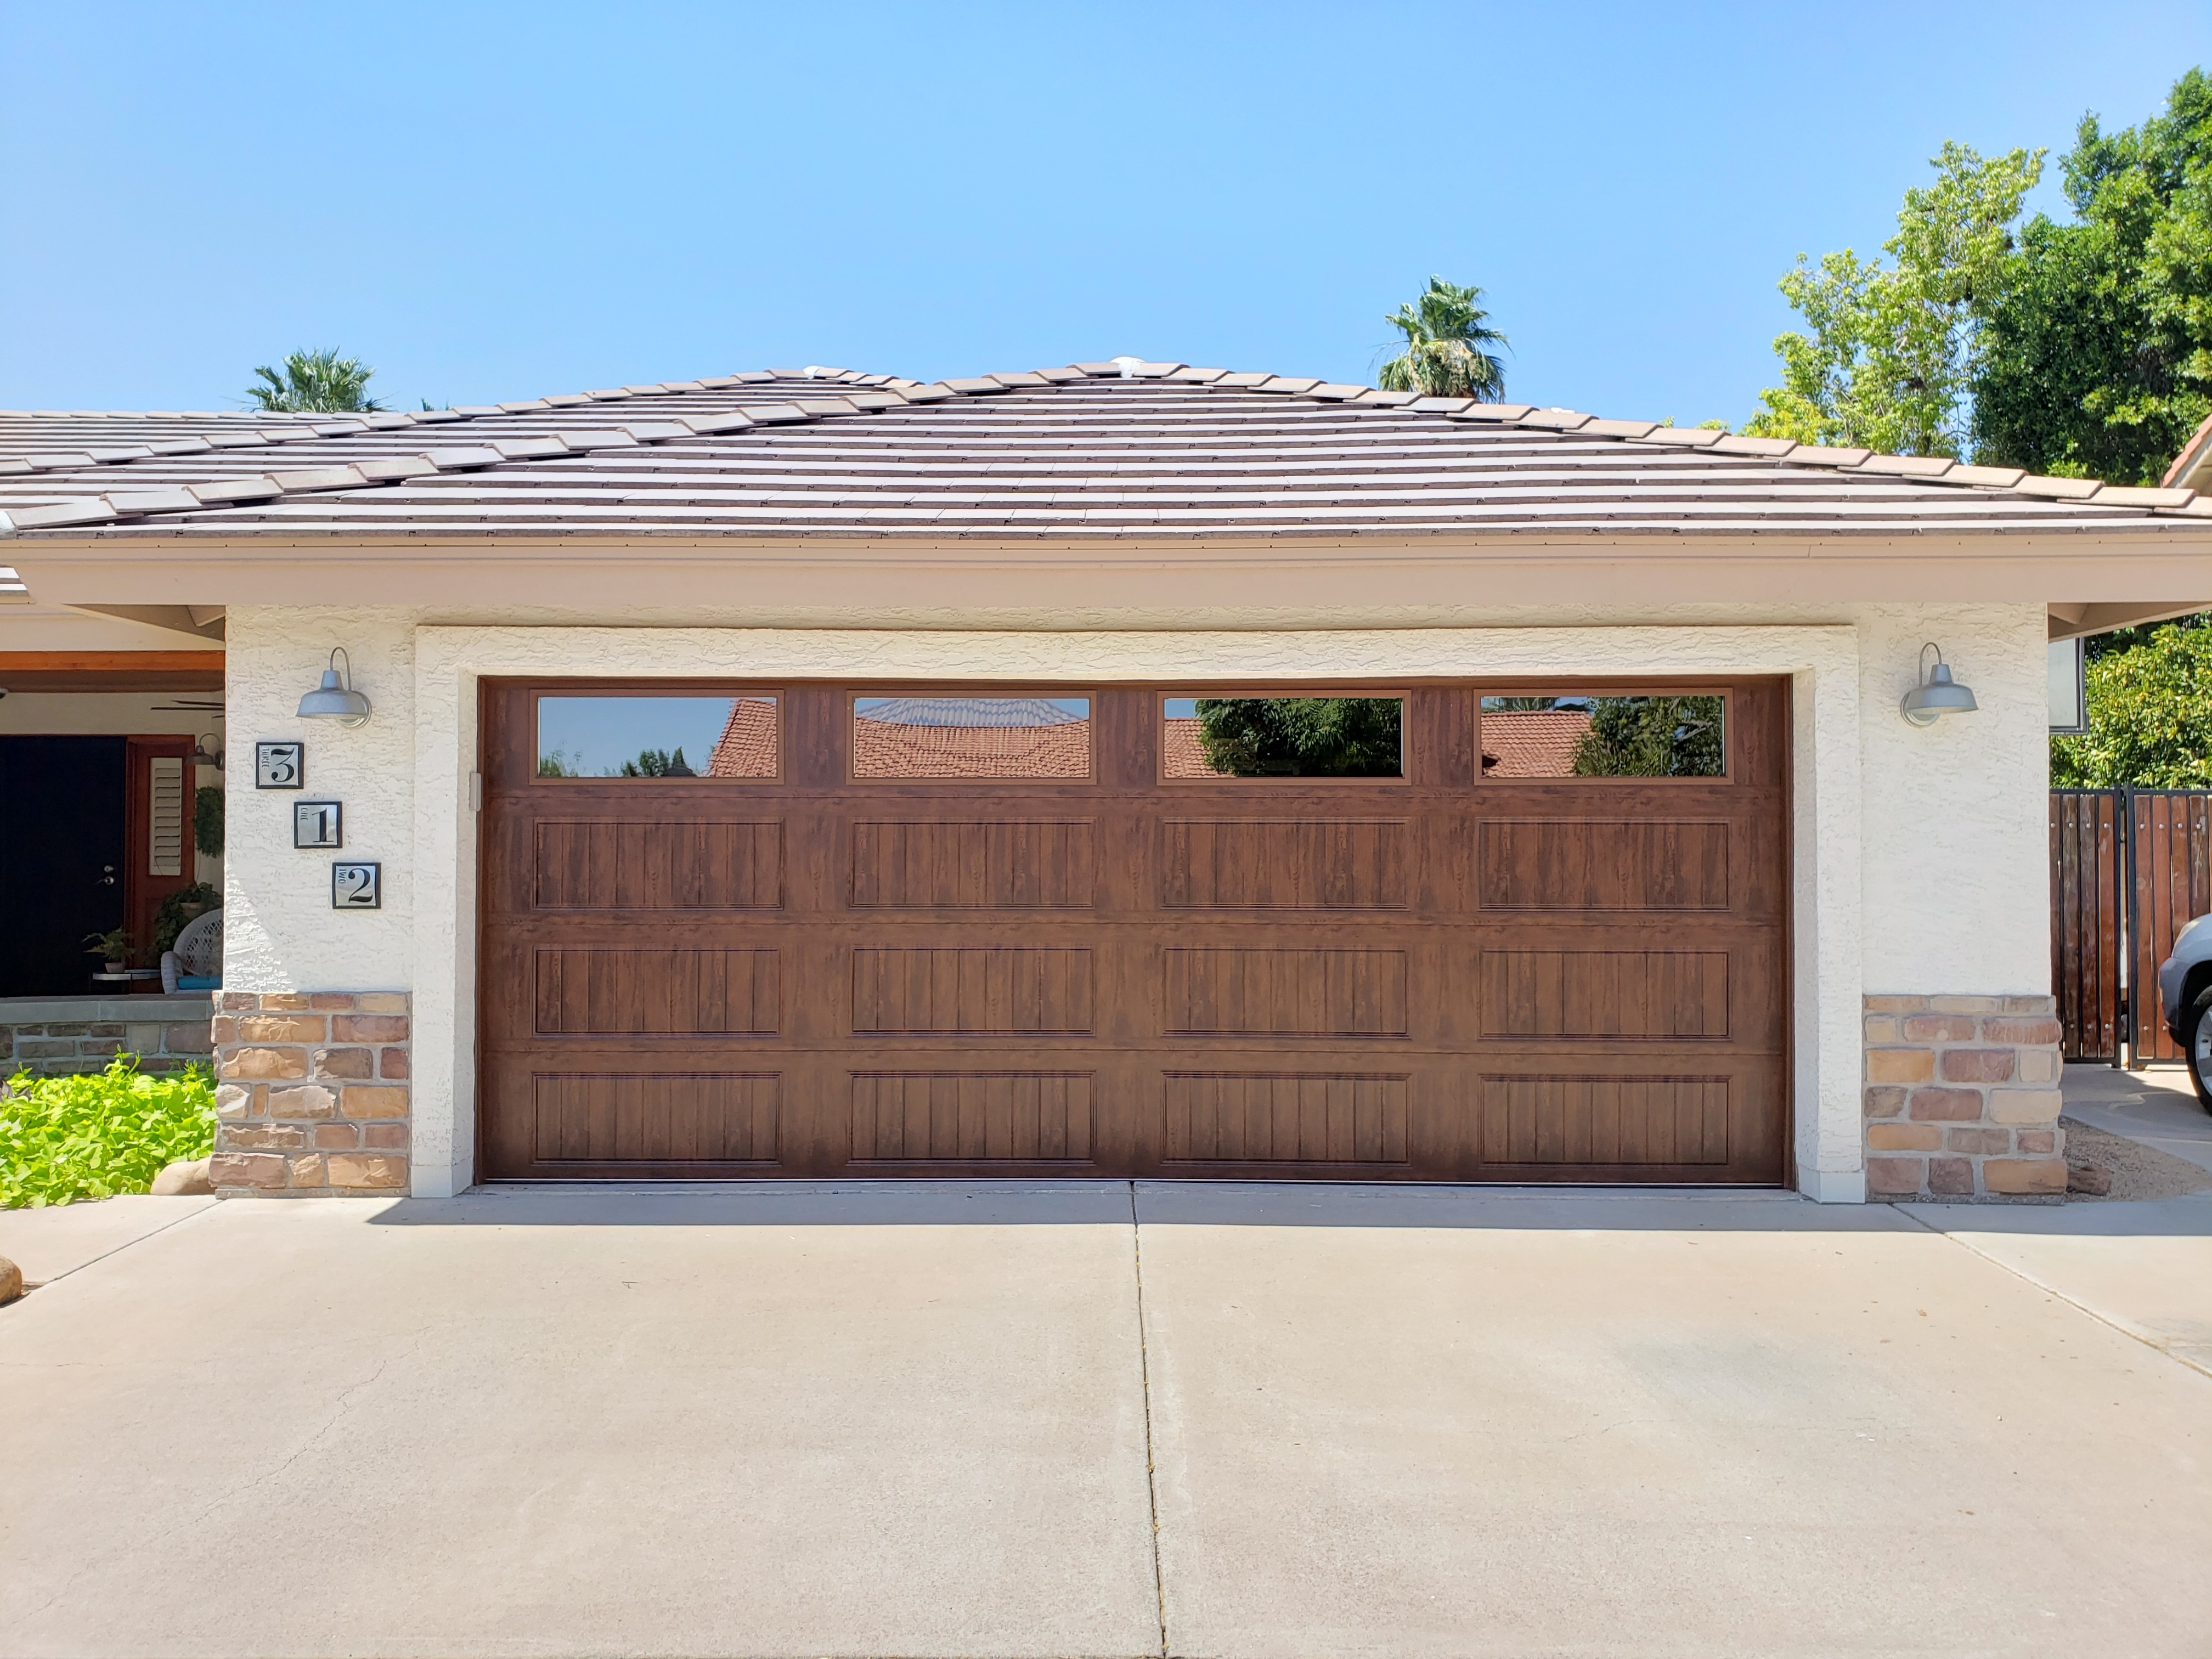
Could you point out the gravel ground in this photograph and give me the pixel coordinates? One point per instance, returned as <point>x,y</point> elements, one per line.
<point>2138,1171</point>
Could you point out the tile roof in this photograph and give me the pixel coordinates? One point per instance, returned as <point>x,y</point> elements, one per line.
<point>1528,743</point>
<point>1089,452</point>
<point>751,744</point>
<point>902,749</point>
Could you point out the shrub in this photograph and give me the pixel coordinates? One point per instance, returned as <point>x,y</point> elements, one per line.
<point>93,1136</point>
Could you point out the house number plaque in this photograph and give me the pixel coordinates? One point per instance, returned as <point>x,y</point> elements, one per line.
<point>318,824</point>
<point>280,765</point>
<point>356,886</point>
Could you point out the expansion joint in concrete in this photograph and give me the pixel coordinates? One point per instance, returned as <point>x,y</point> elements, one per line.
<point>1144,1388</point>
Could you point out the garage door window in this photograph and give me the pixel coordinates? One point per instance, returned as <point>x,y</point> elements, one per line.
<point>970,737</point>
<point>1594,737</point>
<point>1282,737</point>
<point>663,739</point>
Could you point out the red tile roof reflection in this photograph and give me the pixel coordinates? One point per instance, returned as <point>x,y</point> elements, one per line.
<point>748,746</point>
<point>1532,743</point>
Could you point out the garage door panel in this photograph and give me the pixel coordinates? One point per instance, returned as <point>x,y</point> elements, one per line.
<point>1278,864</point>
<point>663,1118</point>
<point>974,990</point>
<point>1009,864</point>
<point>598,864</point>
<point>1284,1116</point>
<point>1666,995</point>
<point>1583,864</point>
<point>1440,976</point>
<point>651,991</point>
<point>972,1115</point>
<point>1284,991</point>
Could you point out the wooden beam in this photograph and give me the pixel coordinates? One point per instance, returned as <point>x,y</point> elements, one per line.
<point>111,670</point>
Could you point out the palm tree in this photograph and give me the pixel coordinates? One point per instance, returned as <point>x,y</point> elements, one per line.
<point>316,383</point>
<point>1445,331</point>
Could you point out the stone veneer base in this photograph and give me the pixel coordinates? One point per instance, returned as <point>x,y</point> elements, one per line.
<point>311,1096</point>
<point>1962,1099</point>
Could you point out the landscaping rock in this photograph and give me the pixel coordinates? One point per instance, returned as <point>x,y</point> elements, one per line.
<point>2093,1179</point>
<point>186,1178</point>
<point>11,1281</point>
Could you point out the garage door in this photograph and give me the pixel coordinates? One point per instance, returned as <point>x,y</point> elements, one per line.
<point>1467,932</point>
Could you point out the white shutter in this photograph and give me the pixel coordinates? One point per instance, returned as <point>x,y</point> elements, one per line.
<point>165,853</point>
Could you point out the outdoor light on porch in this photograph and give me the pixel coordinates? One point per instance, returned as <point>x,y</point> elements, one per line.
<point>335,699</point>
<point>1936,695</point>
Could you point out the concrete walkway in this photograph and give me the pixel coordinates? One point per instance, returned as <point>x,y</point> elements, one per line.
<point>2156,1106</point>
<point>1094,1419</point>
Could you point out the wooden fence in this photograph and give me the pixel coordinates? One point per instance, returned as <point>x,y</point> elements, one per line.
<point>2128,868</point>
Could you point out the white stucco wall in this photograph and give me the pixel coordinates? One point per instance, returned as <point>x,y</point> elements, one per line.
<point>280,932</point>
<point>1917,855</point>
<point>1957,856</point>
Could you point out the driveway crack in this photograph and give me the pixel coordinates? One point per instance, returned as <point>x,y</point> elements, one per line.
<point>1145,1379</point>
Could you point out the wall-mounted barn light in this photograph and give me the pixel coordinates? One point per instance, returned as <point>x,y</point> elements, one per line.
<point>1937,694</point>
<point>335,699</point>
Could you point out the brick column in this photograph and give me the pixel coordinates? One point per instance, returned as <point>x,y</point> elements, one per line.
<point>311,1095</point>
<point>1962,1098</point>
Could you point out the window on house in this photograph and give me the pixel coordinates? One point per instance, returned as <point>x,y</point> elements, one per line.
<point>965,736</point>
<point>663,738</point>
<point>1283,738</point>
<point>1597,737</point>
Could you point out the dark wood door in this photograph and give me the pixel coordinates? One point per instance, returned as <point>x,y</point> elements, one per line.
<point>1456,975</point>
<point>61,864</point>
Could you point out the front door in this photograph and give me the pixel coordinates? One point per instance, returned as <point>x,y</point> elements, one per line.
<point>62,866</point>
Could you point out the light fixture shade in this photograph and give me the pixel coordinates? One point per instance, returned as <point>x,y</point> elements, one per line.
<point>1924,705</point>
<point>335,699</point>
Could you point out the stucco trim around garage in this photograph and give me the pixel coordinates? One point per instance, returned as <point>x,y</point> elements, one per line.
<point>1821,662</point>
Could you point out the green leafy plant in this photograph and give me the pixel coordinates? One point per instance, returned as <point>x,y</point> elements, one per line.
<point>658,764</point>
<point>179,908</point>
<point>1446,330</point>
<point>1300,737</point>
<point>2150,715</point>
<point>315,383</point>
<point>113,946</point>
<point>95,1135</point>
<point>1651,737</point>
<point>207,822</point>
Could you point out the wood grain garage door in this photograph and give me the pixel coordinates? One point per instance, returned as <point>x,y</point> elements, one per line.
<point>805,960</point>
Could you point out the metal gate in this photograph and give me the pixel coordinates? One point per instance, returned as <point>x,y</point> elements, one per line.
<point>2129,868</point>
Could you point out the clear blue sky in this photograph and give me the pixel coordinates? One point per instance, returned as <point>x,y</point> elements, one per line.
<point>490,202</point>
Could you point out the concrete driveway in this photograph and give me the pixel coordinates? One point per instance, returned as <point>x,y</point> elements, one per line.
<point>1094,1419</point>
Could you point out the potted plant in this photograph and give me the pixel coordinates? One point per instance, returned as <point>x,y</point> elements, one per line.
<point>112,946</point>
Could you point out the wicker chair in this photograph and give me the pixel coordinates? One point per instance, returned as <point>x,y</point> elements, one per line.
<point>194,962</point>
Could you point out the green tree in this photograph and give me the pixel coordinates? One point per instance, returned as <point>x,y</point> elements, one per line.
<point>658,764</point>
<point>1446,330</point>
<point>2098,349</point>
<point>1892,348</point>
<point>2150,715</point>
<point>1652,738</point>
<point>315,383</point>
<point>1301,737</point>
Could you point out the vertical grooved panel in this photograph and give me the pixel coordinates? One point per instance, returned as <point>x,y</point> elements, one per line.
<point>593,865</point>
<point>1611,865</point>
<point>1605,993</point>
<point>1309,864</point>
<point>1616,1120</point>
<point>1285,1117</point>
<point>972,1117</point>
<point>657,1118</point>
<point>980,990</point>
<point>1023,864</point>
<point>1284,993</point>
<point>658,993</point>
